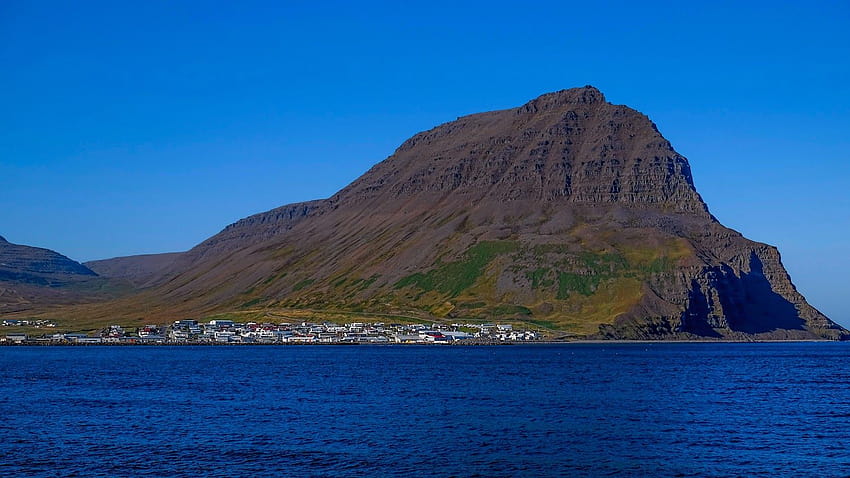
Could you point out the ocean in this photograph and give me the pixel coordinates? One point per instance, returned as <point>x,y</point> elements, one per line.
<point>648,409</point>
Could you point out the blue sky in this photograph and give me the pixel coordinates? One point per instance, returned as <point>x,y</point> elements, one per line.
<point>144,128</point>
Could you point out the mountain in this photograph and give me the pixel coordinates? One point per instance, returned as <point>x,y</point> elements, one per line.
<point>37,265</point>
<point>567,212</point>
<point>141,270</point>
<point>35,277</point>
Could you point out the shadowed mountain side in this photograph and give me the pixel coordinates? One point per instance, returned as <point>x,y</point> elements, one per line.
<point>757,301</point>
<point>747,303</point>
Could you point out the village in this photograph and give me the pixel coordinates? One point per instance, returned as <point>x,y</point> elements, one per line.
<point>222,331</point>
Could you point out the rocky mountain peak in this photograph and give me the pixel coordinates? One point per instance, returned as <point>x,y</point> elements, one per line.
<point>570,146</point>
<point>587,95</point>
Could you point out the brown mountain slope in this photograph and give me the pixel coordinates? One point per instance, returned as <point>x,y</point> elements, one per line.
<point>567,212</point>
<point>142,270</point>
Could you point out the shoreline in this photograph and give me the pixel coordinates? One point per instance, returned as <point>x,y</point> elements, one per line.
<point>467,344</point>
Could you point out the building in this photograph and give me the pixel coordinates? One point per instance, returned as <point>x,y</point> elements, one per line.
<point>16,338</point>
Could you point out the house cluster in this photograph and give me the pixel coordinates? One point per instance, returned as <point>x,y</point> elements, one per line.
<point>220,331</point>
<point>505,332</point>
<point>228,331</point>
<point>28,323</point>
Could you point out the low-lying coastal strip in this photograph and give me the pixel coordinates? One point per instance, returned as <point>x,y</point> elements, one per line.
<point>228,332</point>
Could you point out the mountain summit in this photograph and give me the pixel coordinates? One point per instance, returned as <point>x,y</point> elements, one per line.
<point>567,212</point>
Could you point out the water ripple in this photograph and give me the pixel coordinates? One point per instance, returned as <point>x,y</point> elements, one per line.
<point>574,410</point>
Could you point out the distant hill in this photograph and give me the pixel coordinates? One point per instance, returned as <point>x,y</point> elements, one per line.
<point>37,265</point>
<point>33,277</point>
<point>141,270</point>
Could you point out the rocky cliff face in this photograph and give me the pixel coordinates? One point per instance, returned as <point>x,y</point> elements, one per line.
<point>746,294</point>
<point>568,213</point>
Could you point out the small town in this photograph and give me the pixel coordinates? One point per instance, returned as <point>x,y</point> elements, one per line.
<point>220,331</point>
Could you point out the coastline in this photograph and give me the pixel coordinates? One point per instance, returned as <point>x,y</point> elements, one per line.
<point>461,344</point>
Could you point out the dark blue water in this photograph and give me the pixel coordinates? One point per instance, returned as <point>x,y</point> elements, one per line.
<point>569,410</point>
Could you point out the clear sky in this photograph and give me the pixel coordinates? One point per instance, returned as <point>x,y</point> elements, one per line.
<point>147,127</point>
